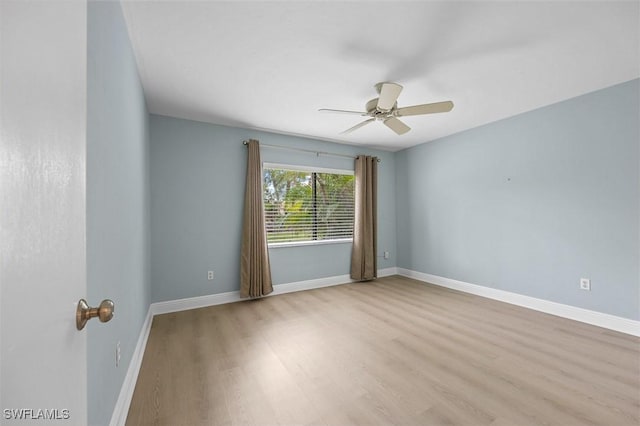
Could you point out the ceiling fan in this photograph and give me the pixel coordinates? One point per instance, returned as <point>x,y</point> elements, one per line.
<point>385,108</point>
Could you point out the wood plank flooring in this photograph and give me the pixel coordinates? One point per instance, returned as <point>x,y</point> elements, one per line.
<point>393,351</point>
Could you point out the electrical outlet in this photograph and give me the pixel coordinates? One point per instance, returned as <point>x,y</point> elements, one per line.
<point>210,275</point>
<point>118,354</point>
<point>585,284</point>
<point>386,254</point>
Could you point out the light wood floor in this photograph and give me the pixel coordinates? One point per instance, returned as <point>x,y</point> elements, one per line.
<point>395,351</point>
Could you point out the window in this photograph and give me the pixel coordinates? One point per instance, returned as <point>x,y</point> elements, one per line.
<point>307,205</point>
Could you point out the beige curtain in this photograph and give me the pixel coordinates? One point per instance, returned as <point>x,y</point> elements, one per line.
<point>363,254</point>
<point>255,272</point>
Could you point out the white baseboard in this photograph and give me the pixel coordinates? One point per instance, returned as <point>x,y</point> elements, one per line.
<point>612,322</point>
<point>121,409</point>
<point>387,272</point>
<point>178,305</point>
<point>234,296</point>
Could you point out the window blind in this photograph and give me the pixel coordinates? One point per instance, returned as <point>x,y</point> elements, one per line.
<point>305,206</point>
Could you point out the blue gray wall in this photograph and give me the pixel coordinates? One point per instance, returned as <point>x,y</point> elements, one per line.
<point>117,203</point>
<point>197,193</point>
<point>532,203</point>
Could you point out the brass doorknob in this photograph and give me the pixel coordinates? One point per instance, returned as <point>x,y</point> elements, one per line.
<point>84,313</point>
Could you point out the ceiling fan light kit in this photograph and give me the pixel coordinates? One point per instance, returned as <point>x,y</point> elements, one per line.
<point>385,108</point>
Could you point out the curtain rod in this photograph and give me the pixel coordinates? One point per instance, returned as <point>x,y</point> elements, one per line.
<point>305,150</point>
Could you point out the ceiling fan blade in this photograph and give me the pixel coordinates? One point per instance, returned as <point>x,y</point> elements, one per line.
<point>396,125</point>
<point>425,109</point>
<point>341,111</point>
<point>389,93</point>
<point>357,126</point>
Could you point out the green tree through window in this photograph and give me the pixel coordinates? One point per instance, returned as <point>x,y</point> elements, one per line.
<point>307,205</point>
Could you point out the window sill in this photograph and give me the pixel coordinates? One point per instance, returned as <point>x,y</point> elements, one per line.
<point>309,243</point>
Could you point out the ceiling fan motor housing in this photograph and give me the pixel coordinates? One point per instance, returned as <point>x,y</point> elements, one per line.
<point>378,114</point>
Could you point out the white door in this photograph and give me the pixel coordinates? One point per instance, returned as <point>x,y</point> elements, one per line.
<point>42,211</point>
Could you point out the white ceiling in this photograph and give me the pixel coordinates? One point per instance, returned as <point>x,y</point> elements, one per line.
<point>271,65</point>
